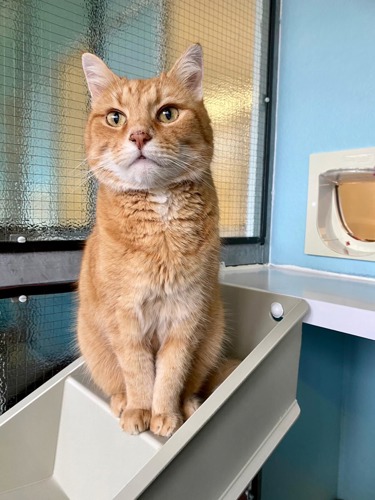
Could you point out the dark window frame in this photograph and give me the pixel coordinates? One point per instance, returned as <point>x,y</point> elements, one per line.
<point>255,250</point>
<point>235,250</point>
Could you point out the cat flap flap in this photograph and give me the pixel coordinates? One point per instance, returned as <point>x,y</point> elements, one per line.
<point>189,70</point>
<point>98,75</point>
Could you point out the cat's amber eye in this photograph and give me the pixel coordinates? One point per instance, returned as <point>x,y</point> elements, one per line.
<point>168,114</point>
<point>115,119</point>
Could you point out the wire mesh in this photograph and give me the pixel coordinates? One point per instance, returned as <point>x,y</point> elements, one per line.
<point>36,341</point>
<point>45,193</point>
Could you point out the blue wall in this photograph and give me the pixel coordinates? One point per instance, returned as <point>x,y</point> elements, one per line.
<point>357,454</point>
<point>306,464</point>
<point>330,451</point>
<point>326,103</point>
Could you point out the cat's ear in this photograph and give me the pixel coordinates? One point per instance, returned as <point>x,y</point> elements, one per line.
<point>189,70</point>
<point>98,75</point>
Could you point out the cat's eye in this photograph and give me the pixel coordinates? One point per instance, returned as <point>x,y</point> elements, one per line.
<point>115,119</point>
<point>168,114</point>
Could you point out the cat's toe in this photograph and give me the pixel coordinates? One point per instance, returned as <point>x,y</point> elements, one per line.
<point>164,424</point>
<point>118,403</point>
<point>190,405</point>
<point>135,421</point>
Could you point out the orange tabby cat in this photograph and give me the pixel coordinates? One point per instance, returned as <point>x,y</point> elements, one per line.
<point>150,322</point>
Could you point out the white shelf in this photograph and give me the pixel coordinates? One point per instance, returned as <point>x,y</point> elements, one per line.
<point>338,302</point>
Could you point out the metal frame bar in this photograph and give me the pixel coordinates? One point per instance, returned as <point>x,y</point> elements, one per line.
<point>255,250</point>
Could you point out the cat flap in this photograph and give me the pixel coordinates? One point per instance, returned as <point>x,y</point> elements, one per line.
<point>189,70</point>
<point>98,75</point>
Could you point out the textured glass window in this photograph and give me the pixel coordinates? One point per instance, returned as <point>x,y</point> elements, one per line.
<point>234,36</point>
<point>36,341</point>
<point>45,191</point>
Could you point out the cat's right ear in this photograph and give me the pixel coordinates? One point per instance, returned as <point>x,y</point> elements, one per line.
<point>98,75</point>
<point>189,70</point>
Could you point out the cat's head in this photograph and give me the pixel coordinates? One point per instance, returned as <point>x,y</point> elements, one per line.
<point>148,134</point>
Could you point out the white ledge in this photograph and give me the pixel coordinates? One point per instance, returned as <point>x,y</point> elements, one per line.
<point>338,302</point>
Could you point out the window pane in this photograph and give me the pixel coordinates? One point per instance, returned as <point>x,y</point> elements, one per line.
<point>45,191</point>
<point>36,341</point>
<point>234,36</point>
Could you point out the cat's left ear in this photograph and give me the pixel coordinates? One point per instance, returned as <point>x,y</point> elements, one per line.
<point>98,75</point>
<point>189,70</point>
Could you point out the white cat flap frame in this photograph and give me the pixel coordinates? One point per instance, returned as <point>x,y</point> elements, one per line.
<point>326,233</point>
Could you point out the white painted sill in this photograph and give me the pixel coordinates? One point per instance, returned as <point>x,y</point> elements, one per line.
<point>338,302</point>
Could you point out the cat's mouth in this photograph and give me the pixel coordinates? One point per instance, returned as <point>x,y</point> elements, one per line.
<point>143,161</point>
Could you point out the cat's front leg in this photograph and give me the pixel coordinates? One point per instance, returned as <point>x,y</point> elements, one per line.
<point>172,365</point>
<point>138,367</point>
<point>137,362</point>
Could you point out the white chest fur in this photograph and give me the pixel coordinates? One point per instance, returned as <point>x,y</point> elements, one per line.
<point>162,203</point>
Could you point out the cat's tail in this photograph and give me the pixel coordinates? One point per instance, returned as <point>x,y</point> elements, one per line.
<point>223,370</point>
<point>226,367</point>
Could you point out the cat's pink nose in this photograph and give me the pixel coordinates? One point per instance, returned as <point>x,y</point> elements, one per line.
<point>140,138</point>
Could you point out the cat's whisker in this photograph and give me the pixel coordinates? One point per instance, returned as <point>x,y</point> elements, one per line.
<point>85,170</point>
<point>86,160</point>
<point>187,167</point>
<point>90,175</point>
<point>166,161</point>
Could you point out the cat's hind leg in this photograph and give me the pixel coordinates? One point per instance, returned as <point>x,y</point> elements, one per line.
<point>118,403</point>
<point>207,358</point>
<point>103,365</point>
<point>108,375</point>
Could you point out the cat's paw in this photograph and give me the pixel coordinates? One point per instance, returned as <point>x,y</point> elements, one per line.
<point>190,405</point>
<point>165,424</point>
<point>135,421</point>
<point>118,404</point>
